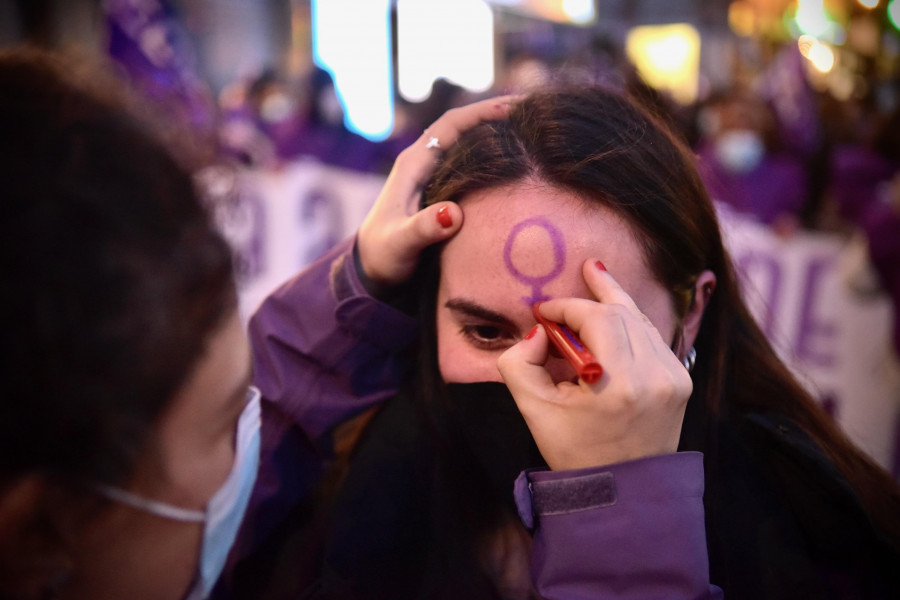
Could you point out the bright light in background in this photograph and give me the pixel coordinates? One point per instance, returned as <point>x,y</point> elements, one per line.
<point>868,3</point>
<point>742,18</point>
<point>450,39</point>
<point>804,43</point>
<point>893,12</point>
<point>812,19</point>
<point>579,11</point>
<point>667,57</point>
<point>820,55</point>
<point>822,58</point>
<point>351,40</point>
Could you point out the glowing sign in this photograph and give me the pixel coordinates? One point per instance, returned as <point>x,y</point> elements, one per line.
<point>351,40</point>
<point>449,39</point>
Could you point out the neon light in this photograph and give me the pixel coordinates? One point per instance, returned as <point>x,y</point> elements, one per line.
<point>450,39</point>
<point>351,40</point>
<point>668,57</point>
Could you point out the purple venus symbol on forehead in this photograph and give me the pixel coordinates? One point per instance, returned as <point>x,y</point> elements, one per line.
<point>537,282</point>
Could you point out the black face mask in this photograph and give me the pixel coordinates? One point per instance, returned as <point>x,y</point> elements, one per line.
<point>489,423</point>
<point>429,478</point>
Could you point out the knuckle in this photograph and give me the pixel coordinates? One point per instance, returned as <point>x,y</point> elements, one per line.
<point>663,384</point>
<point>629,391</point>
<point>673,385</point>
<point>686,386</point>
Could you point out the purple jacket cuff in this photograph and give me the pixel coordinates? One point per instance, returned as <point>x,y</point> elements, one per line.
<point>630,530</point>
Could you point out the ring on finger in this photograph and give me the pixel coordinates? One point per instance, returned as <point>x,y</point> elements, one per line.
<point>433,142</point>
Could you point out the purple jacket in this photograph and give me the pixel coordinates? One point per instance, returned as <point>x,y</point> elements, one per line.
<point>324,350</point>
<point>859,181</point>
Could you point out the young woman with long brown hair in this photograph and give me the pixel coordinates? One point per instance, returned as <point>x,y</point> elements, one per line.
<point>533,202</point>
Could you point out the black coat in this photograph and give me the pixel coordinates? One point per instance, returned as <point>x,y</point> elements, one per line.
<point>782,522</point>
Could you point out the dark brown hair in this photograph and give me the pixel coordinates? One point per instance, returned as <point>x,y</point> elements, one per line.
<point>606,149</point>
<point>113,278</point>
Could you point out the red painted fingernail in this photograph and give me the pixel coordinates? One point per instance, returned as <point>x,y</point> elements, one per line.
<point>444,218</point>
<point>600,265</point>
<point>531,333</point>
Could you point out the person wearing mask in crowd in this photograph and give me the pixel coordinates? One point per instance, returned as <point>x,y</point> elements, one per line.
<point>585,202</point>
<point>131,433</point>
<point>742,165</point>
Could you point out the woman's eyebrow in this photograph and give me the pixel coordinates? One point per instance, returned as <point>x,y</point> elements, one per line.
<point>474,309</point>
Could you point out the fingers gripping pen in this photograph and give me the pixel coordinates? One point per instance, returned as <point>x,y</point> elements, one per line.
<point>572,348</point>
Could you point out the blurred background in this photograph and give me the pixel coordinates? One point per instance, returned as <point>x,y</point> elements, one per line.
<point>291,113</point>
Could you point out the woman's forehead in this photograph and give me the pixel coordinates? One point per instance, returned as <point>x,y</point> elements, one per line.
<point>531,239</point>
<point>542,218</point>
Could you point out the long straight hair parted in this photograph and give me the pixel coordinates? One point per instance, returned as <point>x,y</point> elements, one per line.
<point>607,150</point>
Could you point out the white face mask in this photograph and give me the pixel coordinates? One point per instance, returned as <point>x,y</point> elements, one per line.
<point>740,150</point>
<point>225,510</point>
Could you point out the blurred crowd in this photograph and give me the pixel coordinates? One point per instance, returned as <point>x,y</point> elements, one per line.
<point>770,146</point>
<point>826,165</point>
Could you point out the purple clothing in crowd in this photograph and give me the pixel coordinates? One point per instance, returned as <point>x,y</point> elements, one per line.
<point>860,183</point>
<point>148,42</point>
<point>324,350</point>
<point>856,177</point>
<point>776,186</point>
<point>881,222</point>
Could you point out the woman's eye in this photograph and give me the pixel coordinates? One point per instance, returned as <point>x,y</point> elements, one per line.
<point>488,337</point>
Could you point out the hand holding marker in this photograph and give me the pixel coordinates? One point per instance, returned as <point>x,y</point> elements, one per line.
<point>572,348</point>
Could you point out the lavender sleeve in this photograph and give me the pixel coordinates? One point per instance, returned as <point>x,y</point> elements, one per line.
<point>625,531</point>
<point>323,351</point>
<point>323,348</point>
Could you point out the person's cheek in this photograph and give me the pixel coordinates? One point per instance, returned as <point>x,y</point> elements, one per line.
<point>460,363</point>
<point>452,359</point>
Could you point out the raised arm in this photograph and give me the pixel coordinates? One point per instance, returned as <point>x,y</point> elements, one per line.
<point>325,345</point>
<point>620,515</point>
